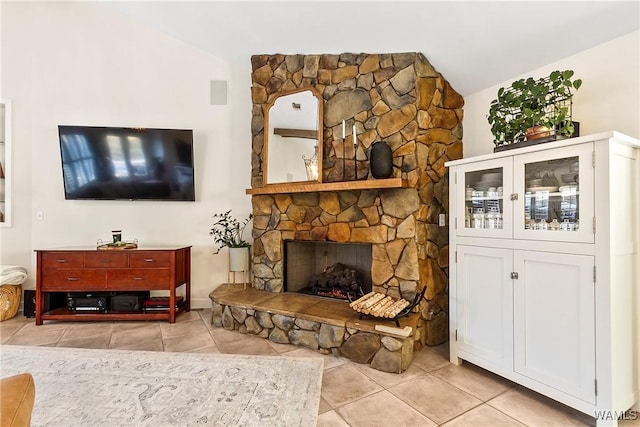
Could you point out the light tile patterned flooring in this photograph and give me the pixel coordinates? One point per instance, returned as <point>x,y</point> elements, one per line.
<point>431,392</point>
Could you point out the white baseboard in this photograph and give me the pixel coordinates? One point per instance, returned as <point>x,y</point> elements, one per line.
<point>199,303</point>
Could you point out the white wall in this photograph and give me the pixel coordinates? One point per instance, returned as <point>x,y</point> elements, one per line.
<point>79,63</point>
<point>609,98</point>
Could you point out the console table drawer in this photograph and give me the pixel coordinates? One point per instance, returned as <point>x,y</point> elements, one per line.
<point>106,260</point>
<point>140,278</point>
<point>62,260</point>
<point>73,278</point>
<point>150,259</point>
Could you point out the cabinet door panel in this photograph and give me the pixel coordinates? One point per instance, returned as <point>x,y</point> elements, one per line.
<point>555,195</point>
<point>482,191</point>
<point>484,301</point>
<point>554,321</point>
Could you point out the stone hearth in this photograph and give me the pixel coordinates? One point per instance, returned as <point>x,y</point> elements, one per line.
<point>398,98</point>
<point>327,326</point>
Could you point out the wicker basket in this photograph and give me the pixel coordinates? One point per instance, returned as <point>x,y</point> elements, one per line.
<point>10,296</point>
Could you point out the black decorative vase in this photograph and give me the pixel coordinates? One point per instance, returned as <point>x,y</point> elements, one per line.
<point>381,160</point>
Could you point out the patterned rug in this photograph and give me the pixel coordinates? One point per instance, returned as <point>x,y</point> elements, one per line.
<point>80,387</point>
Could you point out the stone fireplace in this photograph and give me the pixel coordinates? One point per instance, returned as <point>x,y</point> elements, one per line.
<point>398,98</point>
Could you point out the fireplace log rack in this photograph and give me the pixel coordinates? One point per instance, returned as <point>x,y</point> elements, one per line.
<point>374,305</point>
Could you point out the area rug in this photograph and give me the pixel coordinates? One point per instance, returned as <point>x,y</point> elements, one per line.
<point>81,387</point>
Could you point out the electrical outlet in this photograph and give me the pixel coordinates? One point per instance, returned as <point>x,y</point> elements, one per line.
<point>442,220</point>
<point>39,215</point>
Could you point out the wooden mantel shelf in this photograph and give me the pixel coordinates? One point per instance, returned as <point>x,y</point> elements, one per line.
<point>310,187</point>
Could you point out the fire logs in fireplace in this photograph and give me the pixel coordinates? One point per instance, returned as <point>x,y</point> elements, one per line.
<point>337,281</point>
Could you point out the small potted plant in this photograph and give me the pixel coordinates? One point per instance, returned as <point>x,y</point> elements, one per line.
<point>228,232</point>
<point>531,109</point>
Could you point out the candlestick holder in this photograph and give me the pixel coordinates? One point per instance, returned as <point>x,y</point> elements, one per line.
<point>344,158</point>
<point>355,160</point>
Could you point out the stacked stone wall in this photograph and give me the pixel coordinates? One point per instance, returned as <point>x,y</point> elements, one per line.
<point>397,98</point>
<point>383,352</point>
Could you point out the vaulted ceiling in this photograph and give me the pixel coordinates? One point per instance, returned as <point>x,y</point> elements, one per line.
<point>474,44</point>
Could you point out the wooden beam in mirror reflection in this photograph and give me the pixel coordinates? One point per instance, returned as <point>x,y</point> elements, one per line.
<point>296,133</point>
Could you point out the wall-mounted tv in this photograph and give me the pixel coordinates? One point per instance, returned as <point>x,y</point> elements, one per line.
<point>117,163</point>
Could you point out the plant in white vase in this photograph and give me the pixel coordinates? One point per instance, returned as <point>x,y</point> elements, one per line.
<point>228,232</point>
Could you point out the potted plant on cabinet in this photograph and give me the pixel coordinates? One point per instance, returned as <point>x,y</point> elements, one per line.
<point>228,232</point>
<point>531,109</point>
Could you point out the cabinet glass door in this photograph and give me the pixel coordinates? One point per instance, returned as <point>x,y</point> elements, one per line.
<point>555,195</point>
<point>483,206</point>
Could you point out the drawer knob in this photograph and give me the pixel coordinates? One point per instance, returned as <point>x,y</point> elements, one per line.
<point>61,261</point>
<point>105,260</point>
<point>73,279</point>
<point>138,278</point>
<point>149,260</point>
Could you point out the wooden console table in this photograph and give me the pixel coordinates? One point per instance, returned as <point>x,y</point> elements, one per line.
<point>91,270</point>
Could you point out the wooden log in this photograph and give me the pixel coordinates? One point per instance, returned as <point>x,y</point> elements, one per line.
<point>365,301</point>
<point>374,308</point>
<point>374,299</point>
<point>361,299</point>
<point>380,309</point>
<point>397,309</point>
<point>392,308</point>
<point>385,307</point>
<point>404,305</point>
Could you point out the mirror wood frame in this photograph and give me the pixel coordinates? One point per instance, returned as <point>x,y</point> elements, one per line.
<point>319,131</point>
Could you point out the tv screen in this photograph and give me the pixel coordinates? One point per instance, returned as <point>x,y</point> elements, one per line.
<point>111,163</point>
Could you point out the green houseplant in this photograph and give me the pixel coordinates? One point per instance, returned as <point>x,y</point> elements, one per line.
<point>529,103</point>
<point>228,231</point>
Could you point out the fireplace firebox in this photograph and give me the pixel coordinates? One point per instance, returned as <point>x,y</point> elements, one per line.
<point>327,269</point>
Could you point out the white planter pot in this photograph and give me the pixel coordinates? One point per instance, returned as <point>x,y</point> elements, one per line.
<point>239,259</point>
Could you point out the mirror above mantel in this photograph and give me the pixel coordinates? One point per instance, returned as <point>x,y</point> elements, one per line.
<point>293,140</point>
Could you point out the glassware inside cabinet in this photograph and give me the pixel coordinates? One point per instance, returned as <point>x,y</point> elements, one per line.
<point>484,198</point>
<point>552,195</point>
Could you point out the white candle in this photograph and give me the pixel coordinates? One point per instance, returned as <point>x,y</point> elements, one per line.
<point>344,129</point>
<point>355,136</point>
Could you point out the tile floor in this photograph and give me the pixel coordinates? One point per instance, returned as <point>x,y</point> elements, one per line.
<point>431,392</point>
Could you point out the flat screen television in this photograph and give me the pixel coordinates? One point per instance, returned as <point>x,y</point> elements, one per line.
<point>117,163</point>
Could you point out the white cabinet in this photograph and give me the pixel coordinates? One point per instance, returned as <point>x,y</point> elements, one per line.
<point>5,163</point>
<point>548,296</point>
